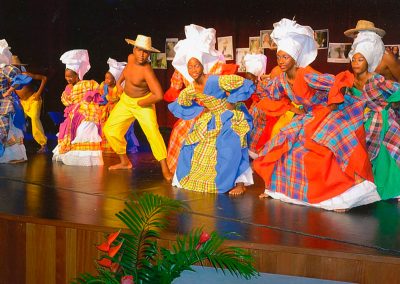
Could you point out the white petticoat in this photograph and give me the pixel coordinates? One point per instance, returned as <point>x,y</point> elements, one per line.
<point>358,195</point>
<point>16,151</point>
<point>86,132</point>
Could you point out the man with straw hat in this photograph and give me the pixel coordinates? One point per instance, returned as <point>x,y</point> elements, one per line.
<point>389,67</point>
<point>31,100</point>
<point>141,91</point>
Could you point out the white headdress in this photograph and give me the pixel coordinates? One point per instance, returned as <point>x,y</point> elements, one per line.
<point>5,54</point>
<point>115,67</point>
<point>370,45</point>
<point>256,64</point>
<point>200,44</point>
<point>296,40</point>
<point>77,60</point>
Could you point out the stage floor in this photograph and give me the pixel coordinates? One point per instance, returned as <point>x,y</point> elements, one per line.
<point>41,188</point>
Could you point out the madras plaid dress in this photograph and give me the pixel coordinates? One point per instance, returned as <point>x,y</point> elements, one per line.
<point>182,127</point>
<point>215,150</point>
<point>319,154</point>
<point>81,105</point>
<point>7,73</point>
<point>378,94</point>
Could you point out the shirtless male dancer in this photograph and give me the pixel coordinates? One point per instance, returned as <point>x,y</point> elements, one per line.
<point>141,91</point>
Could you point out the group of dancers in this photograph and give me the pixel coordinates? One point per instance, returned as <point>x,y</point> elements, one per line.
<point>322,140</point>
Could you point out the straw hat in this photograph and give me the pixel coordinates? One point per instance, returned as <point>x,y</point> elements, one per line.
<point>142,42</point>
<point>15,61</point>
<point>363,25</point>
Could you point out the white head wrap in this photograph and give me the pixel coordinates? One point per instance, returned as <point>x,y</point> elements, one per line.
<point>77,60</point>
<point>370,45</point>
<point>115,68</point>
<point>200,44</point>
<point>5,54</point>
<point>296,40</point>
<point>256,64</point>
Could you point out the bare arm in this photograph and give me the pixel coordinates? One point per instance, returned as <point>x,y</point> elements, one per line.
<point>43,81</point>
<point>154,86</point>
<point>393,64</point>
<point>121,79</point>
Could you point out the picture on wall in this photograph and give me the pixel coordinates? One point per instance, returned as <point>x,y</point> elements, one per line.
<point>240,54</point>
<point>169,47</point>
<point>338,52</point>
<point>158,60</point>
<point>255,44</point>
<point>394,49</point>
<point>266,40</point>
<point>225,46</point>
<point>322,38</point>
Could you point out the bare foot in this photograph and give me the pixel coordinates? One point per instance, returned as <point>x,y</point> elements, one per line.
<point>17,161</point>
<point>238,189</point>
<point>42,150</point>
<point>263,195</point>
<point>398,199</point>
<point>167,175</point>
<point>165,170</point>
<point>121,166</point>
<point>341,210</point>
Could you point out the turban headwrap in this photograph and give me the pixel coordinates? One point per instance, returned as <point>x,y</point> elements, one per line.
<point>256,64</point>
<point>77,60</point>
<point>296,40</point>
<point>5,54</point>
<point>369,45</point>
<point>115,68</point>
<point>200,44</point>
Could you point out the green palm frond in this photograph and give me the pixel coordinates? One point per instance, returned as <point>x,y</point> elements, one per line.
<point>140,255</point>
<point>145,217</point>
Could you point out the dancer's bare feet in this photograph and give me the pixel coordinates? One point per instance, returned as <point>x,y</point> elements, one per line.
<point>263,195</point>
<point>238,189</point>
<point>42,150</point>
<point>125,164</point>
<point>341,210</point>
<point>121,166</point>
<point>17,161</point>
<point>165,170</point>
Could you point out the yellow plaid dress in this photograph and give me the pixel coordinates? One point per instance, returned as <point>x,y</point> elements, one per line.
<point>78,108</point>
<point>213,129</point>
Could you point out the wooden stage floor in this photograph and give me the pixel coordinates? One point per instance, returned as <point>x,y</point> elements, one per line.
<point>43,189</point>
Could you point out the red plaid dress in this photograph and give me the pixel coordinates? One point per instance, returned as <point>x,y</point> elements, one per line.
<point>320,154</point>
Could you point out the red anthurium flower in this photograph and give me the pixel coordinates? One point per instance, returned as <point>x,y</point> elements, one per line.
<point>127,279</point>
<point>104,247</point>
<point>105,262</point>
<point>112,237</point>
<point>114,267</point>
<point>113,250</point>
<point>204,237</point>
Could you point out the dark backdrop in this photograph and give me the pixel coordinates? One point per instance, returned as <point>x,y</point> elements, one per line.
<point>40,31</point>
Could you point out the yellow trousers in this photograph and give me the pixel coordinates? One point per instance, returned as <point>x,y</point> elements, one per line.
<point>122,116</point>
<point>32,109</point>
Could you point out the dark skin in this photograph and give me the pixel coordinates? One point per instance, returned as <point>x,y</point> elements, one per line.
<point>140,79</point>
<point>196,71</point>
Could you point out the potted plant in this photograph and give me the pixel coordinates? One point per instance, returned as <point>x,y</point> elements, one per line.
<point>136,257</point>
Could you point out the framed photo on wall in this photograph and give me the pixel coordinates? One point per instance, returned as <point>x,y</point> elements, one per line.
<point>322,38</point>
<point>339,52</point>
<point>254,44</point>
<point>394,49</point>
<point>240,54</point>
<point>158,60</point>
<point>169,47</point>
<point>225,46</point>
<point>266,40</point>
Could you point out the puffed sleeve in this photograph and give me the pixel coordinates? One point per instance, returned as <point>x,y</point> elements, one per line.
<point>239,89</point>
